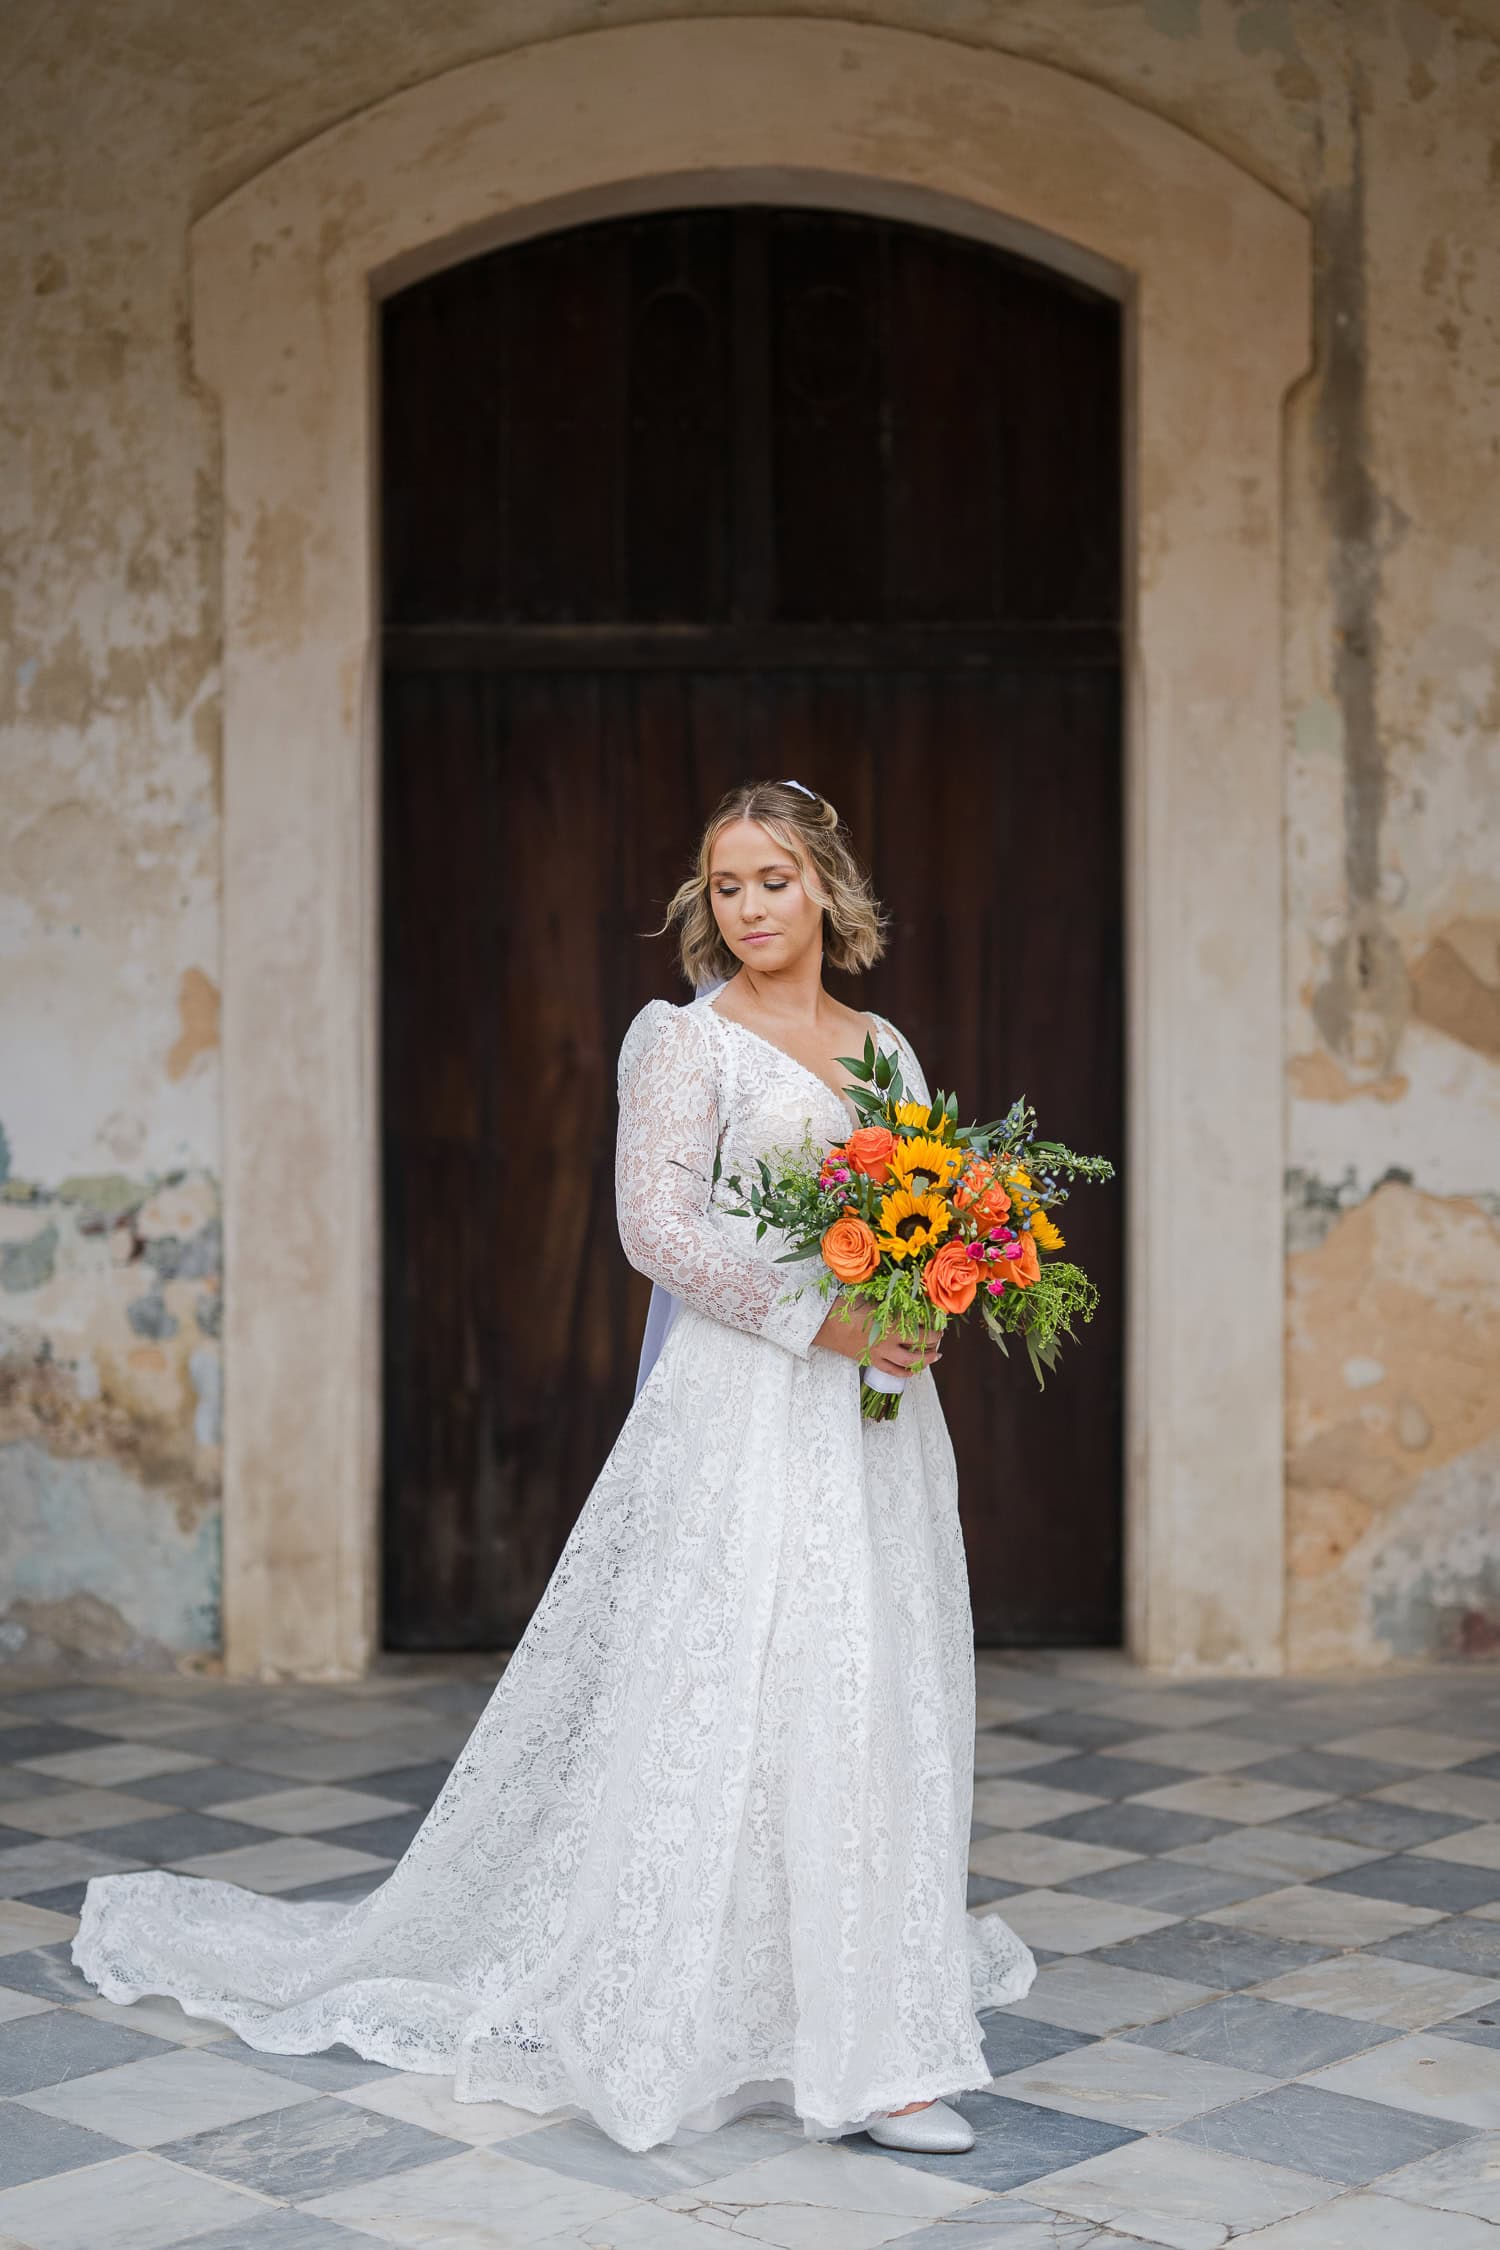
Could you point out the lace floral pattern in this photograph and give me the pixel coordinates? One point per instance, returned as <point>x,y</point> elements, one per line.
<point>705,1847</point>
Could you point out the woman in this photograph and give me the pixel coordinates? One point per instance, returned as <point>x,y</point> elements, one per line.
<point>705,1848</point>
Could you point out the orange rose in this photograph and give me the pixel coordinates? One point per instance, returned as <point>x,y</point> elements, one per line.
<point>980,1191</point>
<point>1023,1270</point>
<point>951,1277</point>
<point>870,1150</point>
<point>850,1250</point>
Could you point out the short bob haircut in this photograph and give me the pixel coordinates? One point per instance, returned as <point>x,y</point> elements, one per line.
<point>809,829</point>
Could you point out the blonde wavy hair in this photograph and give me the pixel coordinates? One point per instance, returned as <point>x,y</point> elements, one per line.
<point>808,827</point>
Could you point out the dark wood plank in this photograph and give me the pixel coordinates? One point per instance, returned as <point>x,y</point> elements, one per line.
<point>671,502</point>
<point>749,648</point>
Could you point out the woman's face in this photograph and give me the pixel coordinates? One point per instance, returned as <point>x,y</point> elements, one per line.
<point>765,916</point>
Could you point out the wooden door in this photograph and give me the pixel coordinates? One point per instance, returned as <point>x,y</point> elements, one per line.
<point>671,503</point>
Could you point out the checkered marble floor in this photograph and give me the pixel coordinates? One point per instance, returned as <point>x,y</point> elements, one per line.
<point>1268,2011</point>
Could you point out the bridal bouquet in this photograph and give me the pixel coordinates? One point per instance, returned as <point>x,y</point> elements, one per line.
<point>921,1219</point>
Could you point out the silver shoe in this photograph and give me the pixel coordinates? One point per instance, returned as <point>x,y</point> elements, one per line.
<point>936,2130</point>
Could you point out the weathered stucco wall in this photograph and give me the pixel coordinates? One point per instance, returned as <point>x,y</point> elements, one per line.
<point>121,126</point>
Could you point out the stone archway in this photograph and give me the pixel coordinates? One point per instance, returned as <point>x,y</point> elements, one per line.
<point>1214,271</point>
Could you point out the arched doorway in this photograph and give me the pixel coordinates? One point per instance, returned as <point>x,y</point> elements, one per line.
<point>669,501</point>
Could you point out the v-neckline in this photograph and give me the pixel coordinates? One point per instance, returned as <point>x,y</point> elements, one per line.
<point>881,1027</point>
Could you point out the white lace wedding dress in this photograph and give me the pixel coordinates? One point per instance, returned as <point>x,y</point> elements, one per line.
<point>705,1848</point>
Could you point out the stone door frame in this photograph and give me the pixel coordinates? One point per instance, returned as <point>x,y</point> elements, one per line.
<point>1213,271</point>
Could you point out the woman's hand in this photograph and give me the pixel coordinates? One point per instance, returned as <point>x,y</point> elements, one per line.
<point>847,1330</point>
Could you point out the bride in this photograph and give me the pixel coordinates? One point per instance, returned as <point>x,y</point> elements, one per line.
<point>705,1848</point>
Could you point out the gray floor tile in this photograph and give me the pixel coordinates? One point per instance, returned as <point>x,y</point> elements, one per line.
<point>1137,1828</point>
<point>1462,1943</point>
<point>57,1898</point>
<point>18,1782</point>
<point>983,1888</point>
<point>1479,2026</point>
<point>577,2149</point>
<point>48,2050</point>
<point>28,1868</point>
<point>1446,1884</point>
<point>34,2147</point>
<point>344,1890</point>
<point>1013,2142</point>
<point>1205,1953</point>
<point>1382,1828</point>
<point>1097,1774</point>
<point>1333,2136</point>
<point>331,2071</point>
<point>411,1785</point>
<point>1169,1885</point>
<point>1487,1768</point>
<point>45,1738</point>
<point>196,1788</point>
<point>387,1837</point>
<point>173,1836</point>
<point>309,2151</point>
<point>48,1972</point>
<point>1011,2041</point>
<point>283,2230</point>
<point>1086,1730</point>
<point>134,2202</point>
<point>1325,1769</point>
<point>1261,2035</point>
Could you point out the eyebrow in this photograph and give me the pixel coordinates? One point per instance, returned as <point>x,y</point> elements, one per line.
<point>715,872</point>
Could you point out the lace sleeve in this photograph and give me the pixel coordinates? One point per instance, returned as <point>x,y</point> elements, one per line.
<point>669,1129</point>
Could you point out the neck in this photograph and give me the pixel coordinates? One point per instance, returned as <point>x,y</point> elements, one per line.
<point>792,995</point>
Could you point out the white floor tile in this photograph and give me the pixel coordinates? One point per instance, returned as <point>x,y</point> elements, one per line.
<point>1471,1847</point>
<point>444,2206</point>
<point>282,1864</point>
<point>23,1927</point>
<point>113,1763</point>
<point>1368,1988</point>
<point>1468,1796</point>
<point>1025,1804</point>
<point>1410,1746</point>
<point>1282,1855</point>
<point>14,2005</point>
<point>1083,1994</point>
<point>1039,1861</point>
<point>1200,1752</point>
<point>1228,1796</point>
<point>1068,1922</point>
<point>1143,2087</point>
<point>1465,2177</point>
<point>1435,2077</point>
<point>166,2097</point>
<point>418,2099</point>
<point>306,1810</point>
<point>1374,2222</point>
<point>826,2177</point>
<point>72,1811</point>
<point>1170,2192</point>
<point>1319,1917</point>
<point>158,2018</point>
<point>131,2203</point>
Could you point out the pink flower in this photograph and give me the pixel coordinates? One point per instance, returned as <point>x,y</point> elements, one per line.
<point>1011,1250</point>
<point>974,1250</point>
<point>994,1287</point>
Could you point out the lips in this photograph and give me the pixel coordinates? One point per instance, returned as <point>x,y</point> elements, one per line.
<point>757,937</point>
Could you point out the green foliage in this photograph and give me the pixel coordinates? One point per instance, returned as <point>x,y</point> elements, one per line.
<point>1043,1314</point>
<point>787,1195</point>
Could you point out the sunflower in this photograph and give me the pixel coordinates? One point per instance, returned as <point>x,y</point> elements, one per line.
<point>916,1114</point>
<point>909,1223</point>
<point>1043,1233</point>
<point>923,1163</point>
